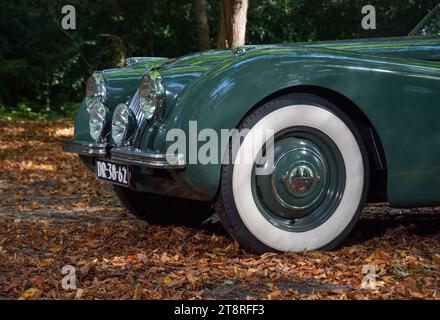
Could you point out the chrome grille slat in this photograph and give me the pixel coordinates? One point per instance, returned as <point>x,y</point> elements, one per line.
<point>136,108</point>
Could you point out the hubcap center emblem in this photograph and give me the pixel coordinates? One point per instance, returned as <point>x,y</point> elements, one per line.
<point>300,180</point>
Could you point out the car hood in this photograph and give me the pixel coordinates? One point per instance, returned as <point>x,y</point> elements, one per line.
<point>123,82</point>
<point>400,46</point>
<point>403,47</point>
<point>181,72</point>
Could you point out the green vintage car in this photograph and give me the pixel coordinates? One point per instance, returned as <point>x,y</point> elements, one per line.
<point>346,122</point>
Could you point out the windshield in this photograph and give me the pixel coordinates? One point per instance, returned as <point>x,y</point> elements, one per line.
<point>430,26</point>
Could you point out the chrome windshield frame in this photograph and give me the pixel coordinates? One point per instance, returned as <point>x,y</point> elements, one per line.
<point>424,21</point>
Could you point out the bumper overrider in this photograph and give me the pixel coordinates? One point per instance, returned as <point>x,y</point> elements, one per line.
<point>125,155</point>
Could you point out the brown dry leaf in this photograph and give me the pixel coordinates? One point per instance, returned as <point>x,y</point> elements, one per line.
<point>137,293</point>
<point>79,293</point>
<point>46,263</point>
<point>84,270</point>
<point>167,280</point>
<point>274,295</point>
<point>31,293</point>
<point>191,278</point>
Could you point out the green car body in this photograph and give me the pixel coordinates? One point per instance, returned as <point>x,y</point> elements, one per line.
<point>351,121</point>
<point>391,85</point>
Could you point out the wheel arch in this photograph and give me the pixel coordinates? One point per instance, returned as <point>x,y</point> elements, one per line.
<point>376,154</point>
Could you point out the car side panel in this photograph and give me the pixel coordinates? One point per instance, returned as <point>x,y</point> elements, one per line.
<point>399,97</point>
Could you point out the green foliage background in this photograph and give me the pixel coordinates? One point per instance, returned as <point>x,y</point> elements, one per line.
<point>43,68</point>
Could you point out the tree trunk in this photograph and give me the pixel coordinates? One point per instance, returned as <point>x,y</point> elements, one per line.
<point>222,42</point>
<point>202,24</point>
<point>120,54</point>
<point>234,16</point>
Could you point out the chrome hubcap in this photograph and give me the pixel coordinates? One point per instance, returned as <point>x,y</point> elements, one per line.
<point>296,180</point>
<point>307,181</point>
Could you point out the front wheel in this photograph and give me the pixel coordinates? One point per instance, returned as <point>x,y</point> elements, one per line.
<point>316,188</point>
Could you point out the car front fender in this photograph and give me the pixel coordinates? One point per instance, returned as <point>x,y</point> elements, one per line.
<point>381,87</point>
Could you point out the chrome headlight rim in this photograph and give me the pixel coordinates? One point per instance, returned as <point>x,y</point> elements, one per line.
<point>99,122</point>
<point>151,95</point>
<point>123,124</point>
<point>96,90</point>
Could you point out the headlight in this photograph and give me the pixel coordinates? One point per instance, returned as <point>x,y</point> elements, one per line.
<point>99,121</point>
<point>96,90</point>
<point>151,94</point>
<point>123,124</point>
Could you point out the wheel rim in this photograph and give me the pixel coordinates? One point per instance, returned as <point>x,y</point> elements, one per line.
<point>307,183</point>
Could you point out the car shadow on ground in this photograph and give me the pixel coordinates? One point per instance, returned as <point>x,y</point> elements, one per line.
<point>375,222</point>
<point>408,223</point>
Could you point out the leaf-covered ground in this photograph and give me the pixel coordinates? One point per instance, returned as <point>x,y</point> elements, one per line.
<point>54,213</point>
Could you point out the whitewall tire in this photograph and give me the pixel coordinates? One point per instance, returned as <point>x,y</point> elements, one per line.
<point>318,185</point>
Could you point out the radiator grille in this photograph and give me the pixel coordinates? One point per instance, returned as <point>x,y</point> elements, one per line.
<point>136,108</point>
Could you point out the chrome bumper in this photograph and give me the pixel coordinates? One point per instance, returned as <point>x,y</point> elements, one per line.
<point>138,157</point>
<point>85,148</point>
<point>127,155</point>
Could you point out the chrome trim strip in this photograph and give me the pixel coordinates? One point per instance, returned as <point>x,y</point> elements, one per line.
<point>85,148</point>
<point>133,156</point>
<point>128,155</point>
